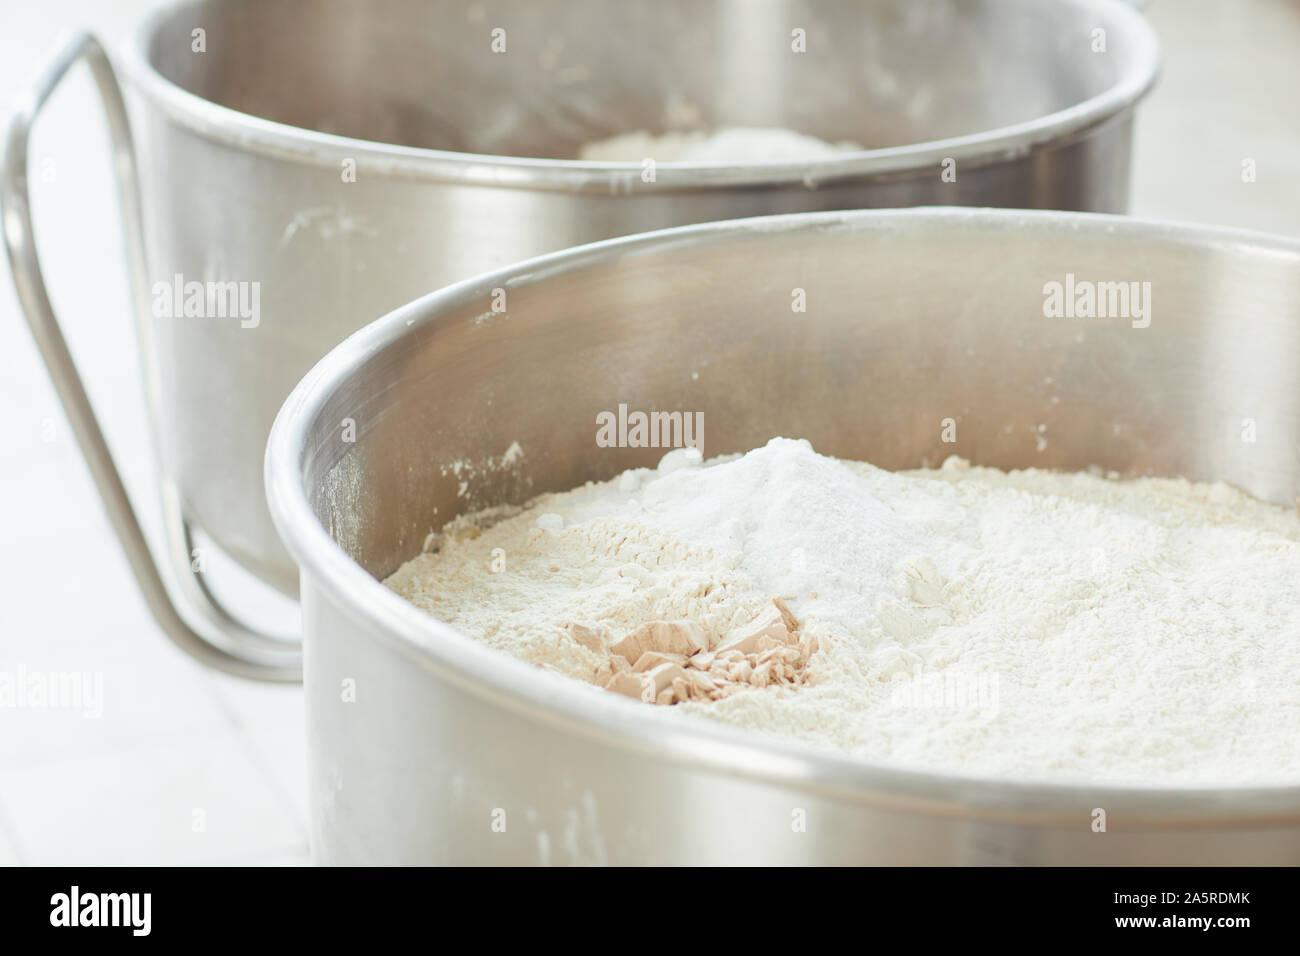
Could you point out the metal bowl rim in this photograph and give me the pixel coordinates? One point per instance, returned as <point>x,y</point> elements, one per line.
<point>246,132</point>
<point>557,700</point>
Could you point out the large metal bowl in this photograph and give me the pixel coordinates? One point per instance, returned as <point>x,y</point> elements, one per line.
<point>346,156</point>
<point>420,738</point>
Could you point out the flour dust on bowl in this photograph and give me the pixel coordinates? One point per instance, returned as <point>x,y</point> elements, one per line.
<point>320,162</point>
<point>925,336</point>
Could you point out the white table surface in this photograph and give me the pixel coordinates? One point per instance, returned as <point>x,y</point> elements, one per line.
<point>175,739</point>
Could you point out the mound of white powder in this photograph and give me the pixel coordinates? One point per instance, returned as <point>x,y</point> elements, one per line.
<point>734,144</point>
<point>1031,624</point>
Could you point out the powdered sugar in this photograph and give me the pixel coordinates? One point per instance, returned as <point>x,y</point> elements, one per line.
<point>1028,624</point>
<point>800,523</point>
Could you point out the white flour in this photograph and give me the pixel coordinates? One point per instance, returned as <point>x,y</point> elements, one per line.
<point>1030,624</point>
<point>735,144</point>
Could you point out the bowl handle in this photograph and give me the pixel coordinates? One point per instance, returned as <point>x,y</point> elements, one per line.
<point>198,623</point>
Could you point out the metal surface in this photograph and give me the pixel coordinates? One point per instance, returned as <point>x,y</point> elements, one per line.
<point>913,317</point>
<point>344,157</point>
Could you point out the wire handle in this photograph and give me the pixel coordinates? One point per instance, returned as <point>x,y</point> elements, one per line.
<point>198,624</point>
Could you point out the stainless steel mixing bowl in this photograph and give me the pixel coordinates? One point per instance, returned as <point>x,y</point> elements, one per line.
<point>422,740</point>
<point>344,156</point>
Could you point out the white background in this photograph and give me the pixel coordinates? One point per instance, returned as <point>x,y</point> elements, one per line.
<point>174,738</point>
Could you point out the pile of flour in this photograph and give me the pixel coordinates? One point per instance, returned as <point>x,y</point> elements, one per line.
<point>1030,624</point>
<point>734,144</point>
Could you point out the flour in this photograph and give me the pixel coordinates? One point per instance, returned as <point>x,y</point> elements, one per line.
<point>735,144</point>
<point>1029,624</point>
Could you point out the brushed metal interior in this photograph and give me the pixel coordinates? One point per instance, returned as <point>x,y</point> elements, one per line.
<point>913,317</point>
<point>422,74</point>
